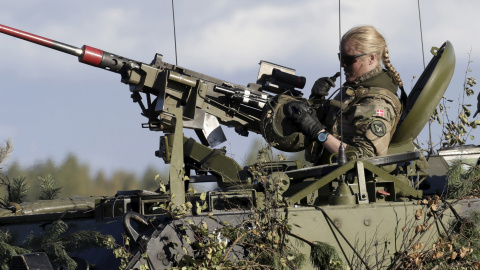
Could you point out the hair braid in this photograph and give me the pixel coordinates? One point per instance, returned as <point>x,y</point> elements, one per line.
<point>389,67</point>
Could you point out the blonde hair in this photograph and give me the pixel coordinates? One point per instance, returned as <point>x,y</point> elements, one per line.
<point>367,39</point>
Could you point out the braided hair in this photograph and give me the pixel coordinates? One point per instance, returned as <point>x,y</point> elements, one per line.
<point>368,40</point>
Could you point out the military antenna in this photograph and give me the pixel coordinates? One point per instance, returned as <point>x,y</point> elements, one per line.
<point>430,145</point>
<point>342,157</point>
<point>174,34</point>
<point>421,32</point>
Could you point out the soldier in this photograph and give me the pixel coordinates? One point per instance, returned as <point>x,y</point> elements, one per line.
<point>369,110</point>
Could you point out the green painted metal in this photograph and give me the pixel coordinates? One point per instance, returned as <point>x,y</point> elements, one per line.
<point>343,195</point>
<point>424,98</point>
<point>177,168</point>
<point>320,183</point>
<point>228,172</point>
<point>401,188</point>
<point>376,231</point>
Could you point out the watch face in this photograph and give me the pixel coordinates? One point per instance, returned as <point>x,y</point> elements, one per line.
<point>322,137</point>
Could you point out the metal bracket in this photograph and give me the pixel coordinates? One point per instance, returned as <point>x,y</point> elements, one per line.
<point>177,170</point>
<point>362,186</point>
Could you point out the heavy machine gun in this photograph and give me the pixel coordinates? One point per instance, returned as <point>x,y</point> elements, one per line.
<point>206,101</point>
<point>182,98</point>
<point>173,98</point>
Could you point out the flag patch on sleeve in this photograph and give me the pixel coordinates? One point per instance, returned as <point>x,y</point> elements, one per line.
<point>380,113</point>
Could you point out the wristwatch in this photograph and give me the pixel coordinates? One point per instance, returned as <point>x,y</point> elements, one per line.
<point>322,136</point>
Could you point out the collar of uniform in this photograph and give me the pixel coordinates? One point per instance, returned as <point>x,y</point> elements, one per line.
<point>372,73</point>
<point>377,77</point>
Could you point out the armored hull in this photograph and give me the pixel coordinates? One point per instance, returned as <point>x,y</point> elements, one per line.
<point>371,233</point>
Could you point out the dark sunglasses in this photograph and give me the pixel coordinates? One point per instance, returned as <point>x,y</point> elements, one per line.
<point>347,60</point>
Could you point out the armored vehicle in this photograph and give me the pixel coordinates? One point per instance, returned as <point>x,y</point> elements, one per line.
<point>367,209</point>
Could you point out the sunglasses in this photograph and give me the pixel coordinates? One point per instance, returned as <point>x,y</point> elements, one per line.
<point>347,60</point>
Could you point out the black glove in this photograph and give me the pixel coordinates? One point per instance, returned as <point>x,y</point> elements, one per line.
<point>321,86</point>
<point>306,120</point>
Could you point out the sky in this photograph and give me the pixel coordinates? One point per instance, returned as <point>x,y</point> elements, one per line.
<point>52,105</point>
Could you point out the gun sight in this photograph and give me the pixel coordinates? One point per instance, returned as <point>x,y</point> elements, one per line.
<point>290,79</point>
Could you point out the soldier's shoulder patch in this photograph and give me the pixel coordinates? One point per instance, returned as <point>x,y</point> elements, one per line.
<point>380,113</point>
<point>378,128</point>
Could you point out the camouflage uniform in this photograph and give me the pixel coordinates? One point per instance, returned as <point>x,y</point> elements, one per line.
<point>371,110</point>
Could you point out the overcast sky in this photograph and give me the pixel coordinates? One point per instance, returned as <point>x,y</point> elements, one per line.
<point>52,105</point>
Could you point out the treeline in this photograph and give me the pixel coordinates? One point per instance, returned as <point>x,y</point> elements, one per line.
<point>77,179</point>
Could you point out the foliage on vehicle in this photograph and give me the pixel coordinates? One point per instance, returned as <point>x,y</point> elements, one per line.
<point>57,242</point>
<point>458,245</point>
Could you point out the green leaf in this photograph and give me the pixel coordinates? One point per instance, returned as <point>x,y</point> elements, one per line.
<point>198,208</point>
<point>163,189</point>
<point>203,196</point>
<point>204,206</point>
<point>117,252</point>
<point>187,239</point>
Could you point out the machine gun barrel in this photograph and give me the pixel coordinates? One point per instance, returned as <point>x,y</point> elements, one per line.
<point>86,54</point>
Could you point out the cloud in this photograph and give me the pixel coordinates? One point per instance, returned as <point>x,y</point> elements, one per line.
<point>248,34</point>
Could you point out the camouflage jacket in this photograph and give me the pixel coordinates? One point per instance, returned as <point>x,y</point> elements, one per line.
<point>371,110</point>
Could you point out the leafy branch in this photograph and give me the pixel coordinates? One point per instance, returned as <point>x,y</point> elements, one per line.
<point>456,129</point>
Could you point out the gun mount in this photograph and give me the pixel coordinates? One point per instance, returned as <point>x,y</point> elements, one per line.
<point>173,98</point>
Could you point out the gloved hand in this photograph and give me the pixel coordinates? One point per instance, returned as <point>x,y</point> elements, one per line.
<point>321,86</point>
<point>306,120</point>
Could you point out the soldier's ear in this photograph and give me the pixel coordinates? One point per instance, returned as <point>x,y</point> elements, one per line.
<point>372,58</point>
